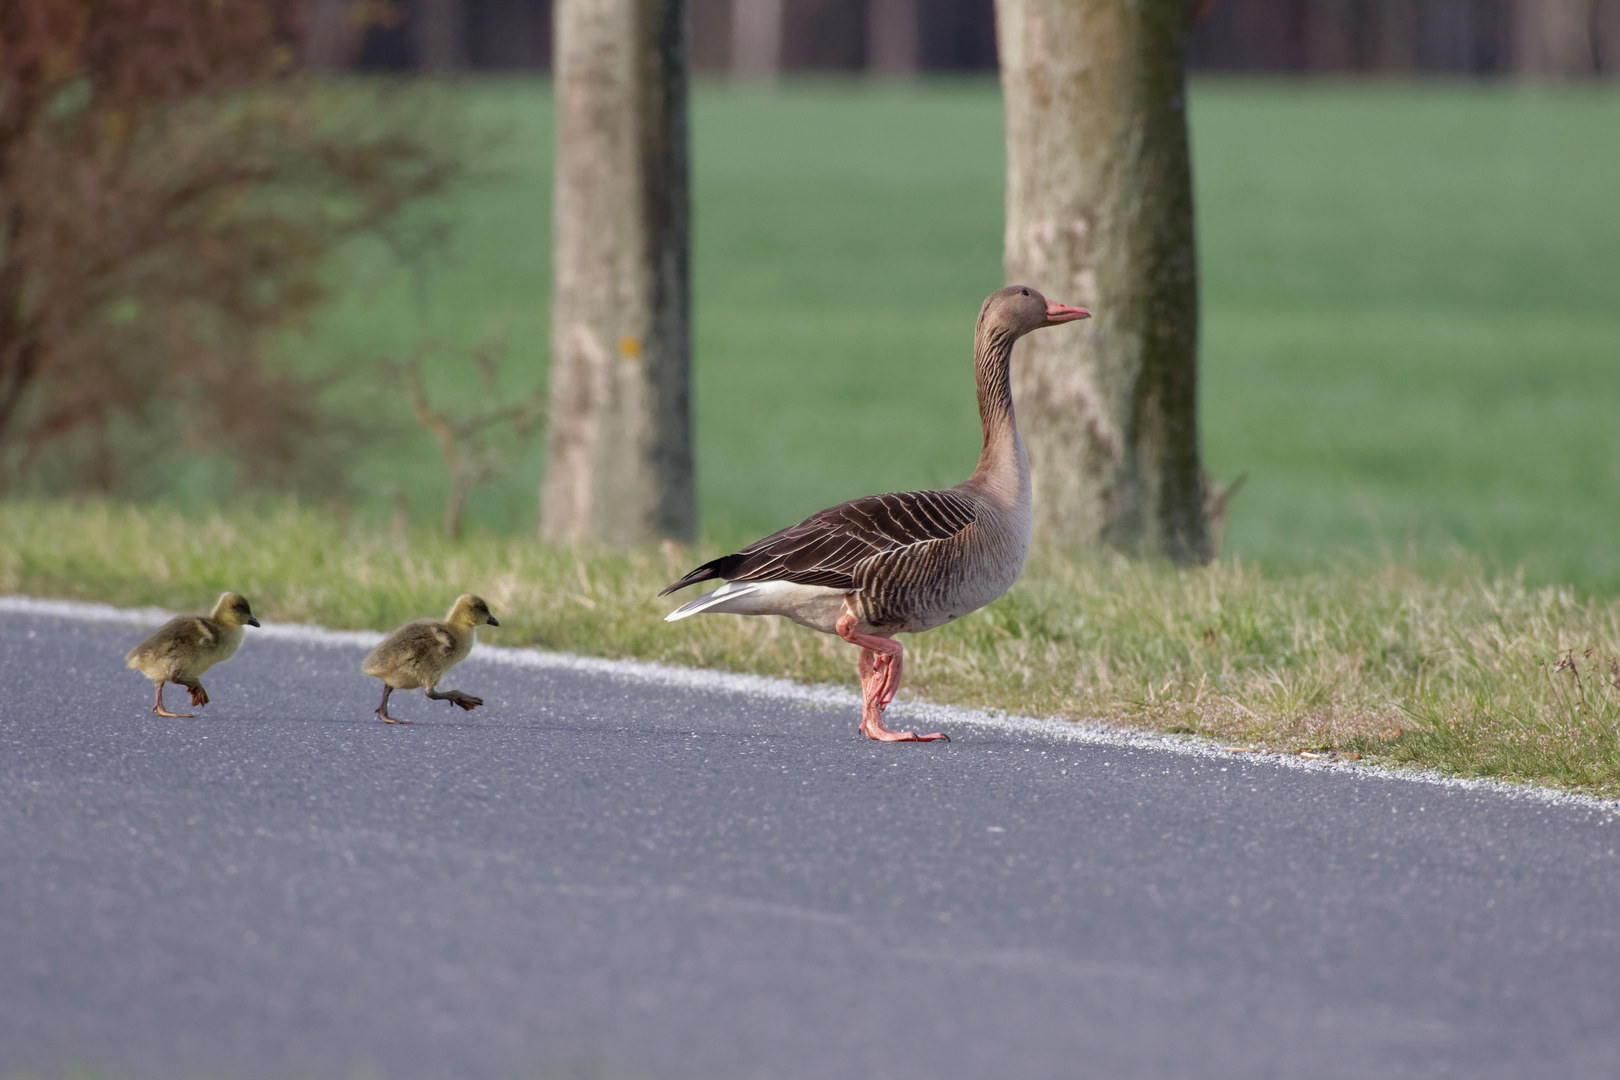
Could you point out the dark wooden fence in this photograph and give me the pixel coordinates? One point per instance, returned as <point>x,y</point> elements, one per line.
<point>1558,39</point>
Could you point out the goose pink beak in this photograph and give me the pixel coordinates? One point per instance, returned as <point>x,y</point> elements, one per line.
<point>1062,313</point>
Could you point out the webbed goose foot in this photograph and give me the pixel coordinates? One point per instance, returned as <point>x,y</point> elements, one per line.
<point>880,665</point>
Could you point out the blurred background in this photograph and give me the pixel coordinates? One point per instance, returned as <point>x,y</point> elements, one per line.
<point>1561,38</point>
<point>306,254</point>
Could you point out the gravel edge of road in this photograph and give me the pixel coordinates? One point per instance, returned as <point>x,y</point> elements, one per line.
<point>1090,733</point>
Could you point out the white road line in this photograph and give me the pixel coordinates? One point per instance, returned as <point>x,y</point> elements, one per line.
<point>699,680</point>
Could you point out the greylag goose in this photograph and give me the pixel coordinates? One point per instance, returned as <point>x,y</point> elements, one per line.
<point>183,648</point>
<point>907,562</point>
<point>420,652</point>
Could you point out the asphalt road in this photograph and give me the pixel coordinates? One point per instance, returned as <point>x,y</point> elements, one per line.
<point>599,875</point>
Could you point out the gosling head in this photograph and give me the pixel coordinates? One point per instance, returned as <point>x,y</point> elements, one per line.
<point>1018,309</point>
<point>470,610</point>
<point>232,610</point>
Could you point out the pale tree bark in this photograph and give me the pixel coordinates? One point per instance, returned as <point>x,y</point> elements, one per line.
<point>619,450</point>
<point>1553,39</point>
<point>756,39</point>
<point>1100,213</point>
<point>891,37</point>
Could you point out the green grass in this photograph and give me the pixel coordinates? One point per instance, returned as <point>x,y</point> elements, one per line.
<point>1410,334</point>
<point>1455,670</point>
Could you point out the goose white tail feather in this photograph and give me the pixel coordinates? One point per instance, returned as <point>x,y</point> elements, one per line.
<point>732,592</point>
<point>815,606</point>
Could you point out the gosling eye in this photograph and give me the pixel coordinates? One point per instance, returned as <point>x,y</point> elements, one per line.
<point>1026,292</point>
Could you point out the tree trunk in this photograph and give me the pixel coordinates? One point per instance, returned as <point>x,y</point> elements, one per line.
<point>1100,213</point>
<point>1553,38</point>
<point>619,450</point>
<point>756,39</point>
<point>891,37</point>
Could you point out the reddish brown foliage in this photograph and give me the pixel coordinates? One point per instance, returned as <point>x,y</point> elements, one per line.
<point>164,209</point>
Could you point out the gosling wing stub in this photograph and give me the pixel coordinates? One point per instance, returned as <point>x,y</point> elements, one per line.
<point>411,645</point>
<point>181,634</point>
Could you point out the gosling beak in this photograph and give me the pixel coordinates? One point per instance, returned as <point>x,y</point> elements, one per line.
<point>1062,313</point>
<point>252,621</point>
<point>492,621</point>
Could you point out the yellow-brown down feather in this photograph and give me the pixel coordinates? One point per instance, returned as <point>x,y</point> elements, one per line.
<point>187,645</point>
<point>419,653</point>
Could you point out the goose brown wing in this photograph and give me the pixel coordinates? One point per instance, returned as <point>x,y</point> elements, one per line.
<point>826,548</point>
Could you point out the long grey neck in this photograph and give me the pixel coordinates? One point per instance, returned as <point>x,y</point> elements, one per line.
<point>1003,471</point>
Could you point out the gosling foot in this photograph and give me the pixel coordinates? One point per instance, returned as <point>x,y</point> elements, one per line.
<point>158,707</point>
<point>382,708</point>
<point>456,697</point>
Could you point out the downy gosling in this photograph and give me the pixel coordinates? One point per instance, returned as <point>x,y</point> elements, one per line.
<point>188,645</point>
<point>419,653</point>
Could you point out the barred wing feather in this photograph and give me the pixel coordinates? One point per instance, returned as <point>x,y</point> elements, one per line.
<point>826,548</point>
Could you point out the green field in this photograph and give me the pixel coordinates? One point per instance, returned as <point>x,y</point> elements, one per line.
<point>1412,300</point>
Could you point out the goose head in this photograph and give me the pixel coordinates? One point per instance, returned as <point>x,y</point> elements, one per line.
<point>232,610</point>
<point>470,610</point>
<point>1018,309</point>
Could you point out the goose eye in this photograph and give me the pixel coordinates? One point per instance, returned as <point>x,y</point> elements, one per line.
<point>1026,292</point>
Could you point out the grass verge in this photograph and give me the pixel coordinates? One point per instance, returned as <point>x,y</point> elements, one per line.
<point>1457,670</point>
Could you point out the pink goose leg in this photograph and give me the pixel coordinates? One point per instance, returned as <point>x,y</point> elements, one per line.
<point>880,666</point>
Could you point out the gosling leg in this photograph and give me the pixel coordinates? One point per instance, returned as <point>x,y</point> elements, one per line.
<point>161,711</point>
<point>456,697</point>
<point>382,710</point>
<point>880,666</point>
